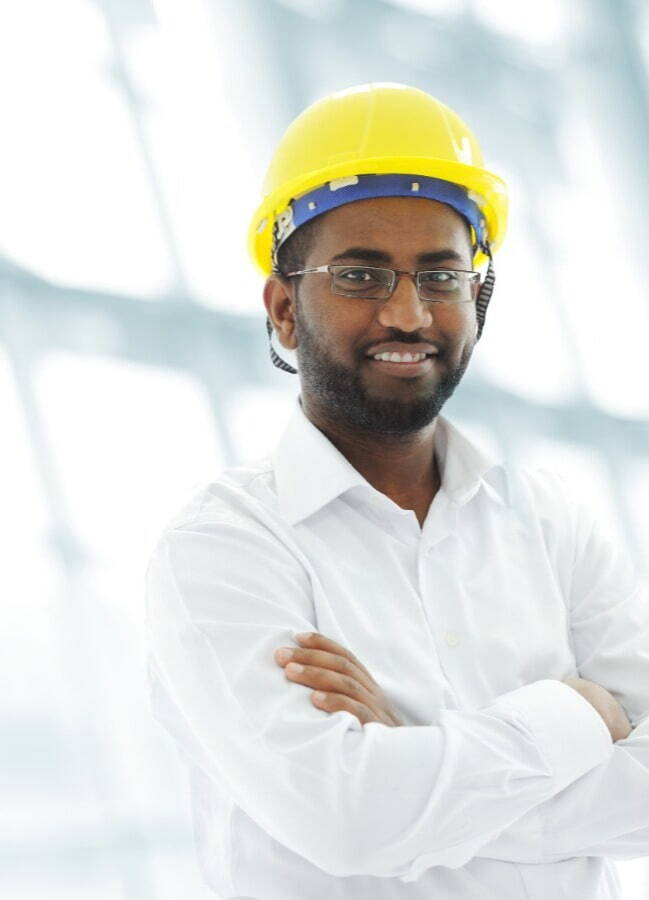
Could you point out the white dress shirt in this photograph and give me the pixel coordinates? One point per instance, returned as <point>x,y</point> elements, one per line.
<point>503,782</point>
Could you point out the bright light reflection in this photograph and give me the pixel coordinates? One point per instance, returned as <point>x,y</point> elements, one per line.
<point>210,171</point>
<point>546,24</point>
<point>315,9</point>
<point>132,443</point>
<point>432,7</point>
<point>523,348</point>
<point>610,319</point>
<point>75,201</point>
<point>21,491</point>
<point>634,878</point>
<point>637,497</point>
<point>28,570</point>
<point>256,418</point>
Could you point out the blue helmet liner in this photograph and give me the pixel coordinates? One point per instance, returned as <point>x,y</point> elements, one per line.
<point>339,191</point>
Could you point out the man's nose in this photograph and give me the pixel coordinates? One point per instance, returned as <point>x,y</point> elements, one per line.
<point>404,309</point>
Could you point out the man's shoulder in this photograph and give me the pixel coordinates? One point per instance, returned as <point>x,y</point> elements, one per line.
<point>240,492</point>
<point>547,498</point>
<point>534,483</point>
<point>232,521</point>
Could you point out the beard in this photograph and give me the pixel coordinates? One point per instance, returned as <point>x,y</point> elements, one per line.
<point>343,396</point>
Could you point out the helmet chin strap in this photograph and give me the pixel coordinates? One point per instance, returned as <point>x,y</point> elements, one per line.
<point>482,302</point>
<point>277,360</point>
<point>486,290</point>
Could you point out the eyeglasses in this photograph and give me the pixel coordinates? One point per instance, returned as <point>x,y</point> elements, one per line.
<point>372,283</point>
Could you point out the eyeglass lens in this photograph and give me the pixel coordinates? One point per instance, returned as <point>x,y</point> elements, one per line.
<point>374,283</point>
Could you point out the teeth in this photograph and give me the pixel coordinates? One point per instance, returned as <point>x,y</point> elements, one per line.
<point>399,357</point>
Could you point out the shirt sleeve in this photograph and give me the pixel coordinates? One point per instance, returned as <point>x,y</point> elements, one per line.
<point>222,596</point>
<point>606,811</point>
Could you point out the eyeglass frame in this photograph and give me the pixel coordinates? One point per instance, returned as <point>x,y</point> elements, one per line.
<point>395,272</point>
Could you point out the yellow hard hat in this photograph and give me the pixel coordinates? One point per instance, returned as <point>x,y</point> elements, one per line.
<point>375,128</point>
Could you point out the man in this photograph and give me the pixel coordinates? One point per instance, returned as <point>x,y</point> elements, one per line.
<point>481,648</point>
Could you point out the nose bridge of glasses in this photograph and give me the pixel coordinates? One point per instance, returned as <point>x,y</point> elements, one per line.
<point>404,307</point>
<point>413,276</point>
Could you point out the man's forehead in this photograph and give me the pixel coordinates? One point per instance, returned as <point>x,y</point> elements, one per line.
<point>374,254</point>
<point>371,208</point>
<point>377,228</point>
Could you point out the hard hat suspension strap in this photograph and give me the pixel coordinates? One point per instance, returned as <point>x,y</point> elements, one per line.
<point>486,290</point>
<point>276,359</point>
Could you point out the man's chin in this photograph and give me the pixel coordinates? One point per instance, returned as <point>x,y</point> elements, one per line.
<point>392,416</point>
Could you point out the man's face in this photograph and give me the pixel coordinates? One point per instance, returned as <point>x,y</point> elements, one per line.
<point>334,334</point>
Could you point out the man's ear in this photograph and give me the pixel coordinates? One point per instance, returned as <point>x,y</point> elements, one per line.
<point>278,300</point>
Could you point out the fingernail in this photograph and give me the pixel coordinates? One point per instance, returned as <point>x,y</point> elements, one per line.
<point>283,654</point>
<point>294,668</point>
<point>303,635</point>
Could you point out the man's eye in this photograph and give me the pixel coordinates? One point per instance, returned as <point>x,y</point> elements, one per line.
<point>357,275</point>
<point>438,277</point>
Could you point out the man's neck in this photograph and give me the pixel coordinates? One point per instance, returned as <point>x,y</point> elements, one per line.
<point>403,468</point>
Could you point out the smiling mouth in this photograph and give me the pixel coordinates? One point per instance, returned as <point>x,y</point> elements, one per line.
<point>404,368</point>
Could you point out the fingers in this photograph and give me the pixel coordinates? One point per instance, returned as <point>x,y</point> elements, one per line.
<point>331,702</point>
<point>334,662</point>
<point>315,640</point>
<point>342,682</point>
<point>328,680</point>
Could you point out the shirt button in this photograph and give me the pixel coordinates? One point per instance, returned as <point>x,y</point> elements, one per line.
<point>451,639</point>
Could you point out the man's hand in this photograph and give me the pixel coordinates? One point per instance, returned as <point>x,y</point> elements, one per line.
<point>346,683</point>
<point>607,706</point>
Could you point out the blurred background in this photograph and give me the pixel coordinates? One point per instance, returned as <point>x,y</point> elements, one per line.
<point>133,355</point>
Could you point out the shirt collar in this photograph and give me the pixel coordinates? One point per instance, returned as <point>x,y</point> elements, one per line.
<point>311,472</point>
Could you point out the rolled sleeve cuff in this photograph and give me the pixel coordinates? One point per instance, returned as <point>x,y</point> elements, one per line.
<point>570,731</point>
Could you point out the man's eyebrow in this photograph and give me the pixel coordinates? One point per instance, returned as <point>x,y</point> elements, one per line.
<point>368,254</point>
